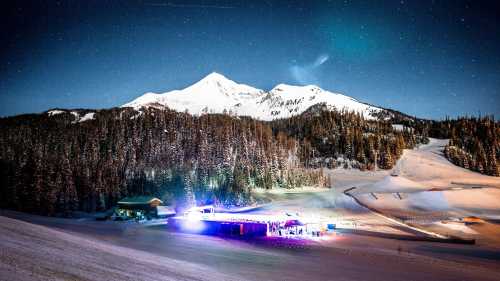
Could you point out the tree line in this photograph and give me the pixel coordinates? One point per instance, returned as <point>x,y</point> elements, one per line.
<point>474,143</point>
<point>331,138</point>
<point>56,165</point>
<point>53,164</point>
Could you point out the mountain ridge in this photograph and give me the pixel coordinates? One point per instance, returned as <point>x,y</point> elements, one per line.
<point>227,96</point>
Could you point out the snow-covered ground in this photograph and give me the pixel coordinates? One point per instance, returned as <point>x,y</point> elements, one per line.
<point>54,112</point>
<point>424,180</point>
<point>425,188</point>
<point>41,248</point>
<point>87,116</point>
<point>34,252</point>
<point>76,115</point>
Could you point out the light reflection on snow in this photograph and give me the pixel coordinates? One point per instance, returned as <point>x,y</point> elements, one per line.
<point>193,223</point>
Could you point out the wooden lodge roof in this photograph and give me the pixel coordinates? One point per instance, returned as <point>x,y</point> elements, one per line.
<point>139,200</point>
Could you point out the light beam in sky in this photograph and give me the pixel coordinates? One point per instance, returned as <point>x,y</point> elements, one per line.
<point>306,74</point>
<point>321,60</point>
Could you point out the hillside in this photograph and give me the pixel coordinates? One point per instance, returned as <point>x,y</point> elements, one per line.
<point>59,161</point>
<point>66,160</point>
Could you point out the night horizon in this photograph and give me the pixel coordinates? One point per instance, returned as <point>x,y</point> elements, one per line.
<point>427,59</point>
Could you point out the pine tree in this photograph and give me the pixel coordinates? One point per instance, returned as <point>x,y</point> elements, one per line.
<point>493,169</point>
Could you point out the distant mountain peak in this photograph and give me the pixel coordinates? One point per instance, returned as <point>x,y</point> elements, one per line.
<point>215,76</point>
<point>215,82</point>
<point>217,94</point>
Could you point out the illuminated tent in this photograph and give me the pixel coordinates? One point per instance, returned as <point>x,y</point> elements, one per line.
<point>290,223</point>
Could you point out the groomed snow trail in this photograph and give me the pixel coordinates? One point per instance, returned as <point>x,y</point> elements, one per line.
<point>427,181</point>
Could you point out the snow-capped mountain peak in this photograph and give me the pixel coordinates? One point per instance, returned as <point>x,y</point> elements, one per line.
<point>216,78</point>
<point>212,94</point>
<point>212,81</point>
<point>217,94</point>
<point>215,82</point>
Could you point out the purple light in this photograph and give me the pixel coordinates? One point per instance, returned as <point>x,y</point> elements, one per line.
<point>193,224</point>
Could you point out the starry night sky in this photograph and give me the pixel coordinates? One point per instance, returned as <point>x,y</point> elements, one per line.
<point>425,58</point>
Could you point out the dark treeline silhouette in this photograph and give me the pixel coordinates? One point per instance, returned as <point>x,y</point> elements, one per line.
<point>331,138</point>
<point>474,143</point>
<point>56,165</point>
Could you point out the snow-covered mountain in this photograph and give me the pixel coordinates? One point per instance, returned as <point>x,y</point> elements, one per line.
<point>217,94</point>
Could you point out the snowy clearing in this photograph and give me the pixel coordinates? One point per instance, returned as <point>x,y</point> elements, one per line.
<point>55,112</point>
<point>86,117</point>
<point>424,188</point>
<point>425,180</point>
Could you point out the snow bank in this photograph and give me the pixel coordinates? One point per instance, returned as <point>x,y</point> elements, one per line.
<point>55,112</point>
<point>87,117</point>
<point>401,127</point>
